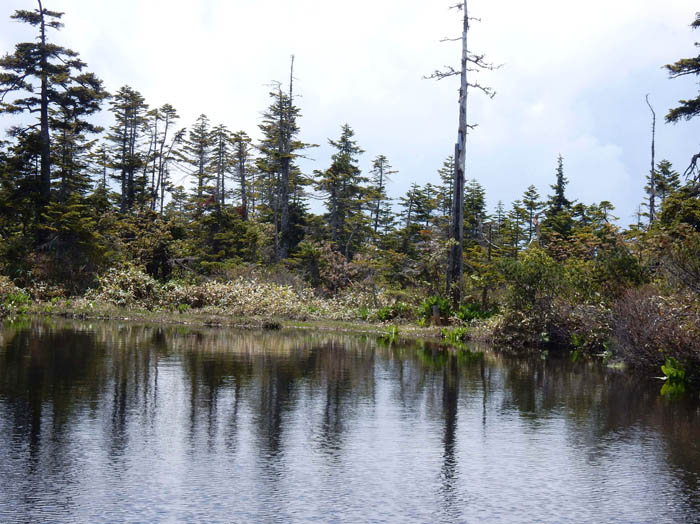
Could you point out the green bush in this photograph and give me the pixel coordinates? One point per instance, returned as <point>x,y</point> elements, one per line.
<point>456,335</point>
<point>472,311</point>
<point>425,309</point>
<point>396,310</point>
<point>13,300</point>
<point>534,280</point>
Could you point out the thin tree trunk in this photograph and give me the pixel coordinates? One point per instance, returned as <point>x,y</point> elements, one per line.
<point>455,268</point>
<point>285,163</point>
<point>44,136</point>
<point>241,157</point>
<point>652,173</point>
<point>379,199</point>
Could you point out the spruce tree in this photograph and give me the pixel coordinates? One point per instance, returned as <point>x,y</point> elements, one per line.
<point>244,172</point>
<point>281,180</point>
<point>196,154</point>
<point>346,193</point>
<point>129,109</point>
<point>164,141</point>
<point>558,201</point>
<point>668,180</point>
<point>558,211</point>
<point>50,81</point>
<point>444,197</point>
<point>686,109</point>
<point>690,108</point>
<point>221,161</point>
<point>474,211</point>
<point>409,216</point>
<point>532,206</point>
<point>381,212</point>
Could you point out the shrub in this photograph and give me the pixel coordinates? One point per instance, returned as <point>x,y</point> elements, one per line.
<point>13,300</point>
<point>386,313</point>
<point>650,328</point>
<point>472,311</point>
<point>456,335</point>
<point>396,310</point>
<point>534,279</point>
<point>126,286</point>
<point>425,309</point>
<point>47,291</point>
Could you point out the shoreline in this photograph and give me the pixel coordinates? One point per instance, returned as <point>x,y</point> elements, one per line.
<point>219,319</point>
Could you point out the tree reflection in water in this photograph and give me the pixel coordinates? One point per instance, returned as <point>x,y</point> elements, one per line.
<point>282,423</point>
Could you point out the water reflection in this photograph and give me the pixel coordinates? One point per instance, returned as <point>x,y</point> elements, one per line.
<point>118,421</point>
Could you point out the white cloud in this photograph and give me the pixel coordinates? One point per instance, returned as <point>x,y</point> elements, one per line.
<point>573,80</point>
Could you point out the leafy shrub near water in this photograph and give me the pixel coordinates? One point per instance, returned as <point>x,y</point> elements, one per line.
<point>456,335</point>
<point>393,311</point>
<point>127,286</point>
<point>472,311</point>
<point>244,296</point>
<point>13,300</point>
<point>554,304</point>
<point>652,327</point>
<point>425,309</point>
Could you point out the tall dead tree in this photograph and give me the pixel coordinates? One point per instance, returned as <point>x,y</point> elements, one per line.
<point>285,153</point>
<point>455,265</point>
<point>652,172</point>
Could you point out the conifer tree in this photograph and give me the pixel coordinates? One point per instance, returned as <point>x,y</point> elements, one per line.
<point>444,196</point>
<point>558,201</point>
<point>407,215</point>
<point>499,214</point>
<point>532,206</point>
<point>164,140</point>
<point>196,154</point>
<point>129,109</point>
<point>471,63</point>
<point>668,180</point>
<point>51,82</point>
<point>474,211</point>
<point>347,195</point>
<point>243,169</point>
<point>690,108</point>
<point>221,162</point>
<point>381,173</point>
<point>558,212</point>
<point>515,234</point>
<point>281,180</point>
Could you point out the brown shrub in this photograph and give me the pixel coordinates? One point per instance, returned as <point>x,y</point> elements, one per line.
<point>650,327</point>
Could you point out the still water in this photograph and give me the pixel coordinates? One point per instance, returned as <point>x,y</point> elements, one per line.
<point>117,422</point>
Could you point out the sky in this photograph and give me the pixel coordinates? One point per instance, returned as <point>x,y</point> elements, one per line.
<point>572,81</point>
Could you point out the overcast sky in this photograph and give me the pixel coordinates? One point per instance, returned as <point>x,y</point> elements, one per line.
<point>573,80</point>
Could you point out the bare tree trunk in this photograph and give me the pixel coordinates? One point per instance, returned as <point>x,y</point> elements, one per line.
<point>44,136</point>
<point>241,157</point>
<point>285,164</point>
<point>455,268</point>
<point>154,165</point>
<point>652,172</point>
<point>379,199</point>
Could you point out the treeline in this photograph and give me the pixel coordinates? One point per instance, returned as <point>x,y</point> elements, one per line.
<point>204,201</point>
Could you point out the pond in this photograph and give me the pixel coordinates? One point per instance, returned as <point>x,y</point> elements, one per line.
<point>121,422</point>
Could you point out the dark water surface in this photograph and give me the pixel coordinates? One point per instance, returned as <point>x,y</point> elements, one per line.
<point>116,422</point>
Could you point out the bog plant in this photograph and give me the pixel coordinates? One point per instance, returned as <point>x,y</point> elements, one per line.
<point>244,296</point>
<point>425,309</point>
<point>675,377</point>
<point>13,300</point>
<point>471,311</point>
<point>456,335</point>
